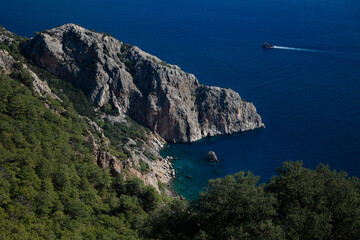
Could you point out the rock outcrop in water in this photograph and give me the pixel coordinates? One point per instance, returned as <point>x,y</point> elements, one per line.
<point>158,95</point>
<point>211,157</point>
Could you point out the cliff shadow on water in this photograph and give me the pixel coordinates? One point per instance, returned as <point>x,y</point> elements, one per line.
<point>193,170</point>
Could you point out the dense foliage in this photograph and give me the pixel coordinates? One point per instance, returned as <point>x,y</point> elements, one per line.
<point>50,187</point>
<point>299,203</point>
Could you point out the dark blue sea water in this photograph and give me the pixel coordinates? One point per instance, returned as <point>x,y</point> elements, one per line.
<point>309,100</point>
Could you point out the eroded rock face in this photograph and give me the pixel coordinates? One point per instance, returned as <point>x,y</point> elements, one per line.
<point>160,170</point>
<point>6,62</point>
<point>7,66</point>
<point>7,37</point>
<point>144,161</point>
<point>161,96</point>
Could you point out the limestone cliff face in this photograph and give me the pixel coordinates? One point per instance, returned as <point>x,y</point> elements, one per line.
<point>161,96</point>
<point>6,62</point>
<point>7,66</point>
<point>158,169</point>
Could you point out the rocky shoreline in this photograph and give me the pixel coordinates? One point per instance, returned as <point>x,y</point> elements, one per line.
<point>159,96</point>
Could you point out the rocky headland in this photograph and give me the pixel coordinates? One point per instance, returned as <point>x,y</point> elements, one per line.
<point>157,95</point>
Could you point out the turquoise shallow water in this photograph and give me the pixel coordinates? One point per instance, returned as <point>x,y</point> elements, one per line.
<point>309,99</point>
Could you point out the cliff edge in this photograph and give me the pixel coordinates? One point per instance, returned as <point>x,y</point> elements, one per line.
<point>158,95</point>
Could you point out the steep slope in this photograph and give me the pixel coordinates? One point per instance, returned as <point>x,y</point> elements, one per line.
<point>122,79</point>
<point>50,187</point>
<point>158,95</point>
<point>125,147</point>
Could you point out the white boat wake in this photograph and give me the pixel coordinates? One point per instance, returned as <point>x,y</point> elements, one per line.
<point>306,50</point>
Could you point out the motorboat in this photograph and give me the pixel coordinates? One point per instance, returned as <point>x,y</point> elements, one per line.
<point>267,45</point>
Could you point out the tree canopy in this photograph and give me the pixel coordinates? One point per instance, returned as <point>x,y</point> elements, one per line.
<point>298,203</point>
<point>51,188</point>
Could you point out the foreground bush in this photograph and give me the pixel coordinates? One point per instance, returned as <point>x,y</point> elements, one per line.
<point>299,203</point>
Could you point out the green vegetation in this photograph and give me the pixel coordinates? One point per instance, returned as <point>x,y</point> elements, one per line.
<point>163,63</point>
<point>161,187</point>
<point>144,166</point>
<point>52,189</point>
<point>149,155</point>
<point>110,110</point>
<point>299,203</point>
<point>316,204</point>
<point>48,33</point>
<point>13,48</point>
<point>119,133</point>
<point>124,58</point>
<point>50,186</point>
<point>70,95</point>
<point>105,34</point>
<point>22,74</point>
<point>106,52</point>
<point>125,47</point>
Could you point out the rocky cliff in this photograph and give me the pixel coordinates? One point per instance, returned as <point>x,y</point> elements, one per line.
<point>142,158</point>
<point>158,95</point>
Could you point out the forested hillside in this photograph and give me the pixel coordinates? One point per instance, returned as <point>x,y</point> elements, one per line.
<point>52,186</point>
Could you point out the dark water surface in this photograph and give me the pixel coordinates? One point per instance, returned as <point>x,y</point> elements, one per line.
<point>309,100</point>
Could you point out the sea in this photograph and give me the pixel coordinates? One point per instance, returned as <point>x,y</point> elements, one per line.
<point>307,89</point>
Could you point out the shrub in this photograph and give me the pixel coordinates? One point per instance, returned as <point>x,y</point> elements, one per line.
<point>161,187</point>
<point>106,52</point>
<point>125,47</point>
<point>144,166</point>
<point>110,110</point>
<point>149,155</point>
